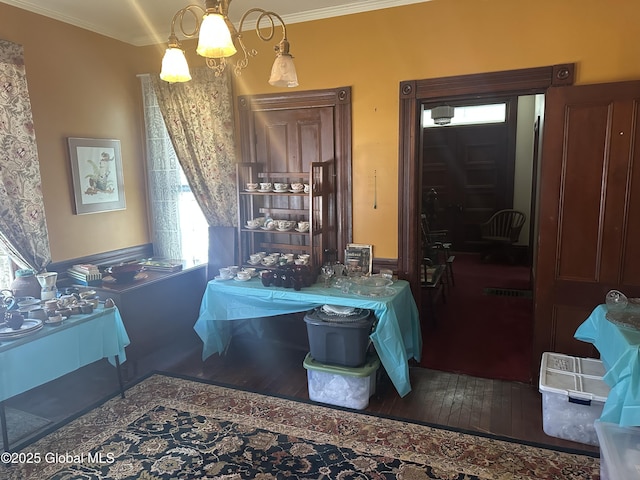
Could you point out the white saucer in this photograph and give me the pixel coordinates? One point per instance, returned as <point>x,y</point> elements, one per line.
<point>264,191</point>
<point>283,229</point>
<point>251,190</point>
<point>302,231</point>
<point>49,322</point>
<point>252,228</point>
<point>259,262</point>
<point>296,191</point>
<point>267,229</point>
<point>286,190</point>
<point>242,279</point>
<point>218,278</point>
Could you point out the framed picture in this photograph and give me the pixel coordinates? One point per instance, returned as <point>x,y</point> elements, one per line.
<point>359,256</point>
<point>96,168</point>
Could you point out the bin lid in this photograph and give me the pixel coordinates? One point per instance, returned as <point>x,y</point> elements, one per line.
<point>371,364</point>
<point>575,377</point>
<point>345,316</point>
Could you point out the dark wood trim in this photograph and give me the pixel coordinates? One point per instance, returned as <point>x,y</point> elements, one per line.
<point>412,95</point>
<point>390,263</point>
<point>340,100</point>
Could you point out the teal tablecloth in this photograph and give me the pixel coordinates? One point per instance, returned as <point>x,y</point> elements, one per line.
<point>619,349</point>
<point>54,351</point>
<point>396,338</point>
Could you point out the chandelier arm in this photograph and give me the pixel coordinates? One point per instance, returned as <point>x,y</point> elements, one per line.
<point>270,16</point>
<point>193,10</point>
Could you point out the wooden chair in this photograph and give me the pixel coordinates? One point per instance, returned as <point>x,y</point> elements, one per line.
<point>501,231</point>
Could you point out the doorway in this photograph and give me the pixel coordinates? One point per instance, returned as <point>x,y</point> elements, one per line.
<point>413,96</point>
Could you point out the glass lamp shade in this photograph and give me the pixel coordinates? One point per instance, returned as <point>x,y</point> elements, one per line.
<point>174,66</point>
<point>215,38</point>
<point>283,72</point>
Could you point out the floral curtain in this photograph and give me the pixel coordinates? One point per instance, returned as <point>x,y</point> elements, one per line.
<point>23,227</point>
<point>199,117</point>
<point>163,174</point>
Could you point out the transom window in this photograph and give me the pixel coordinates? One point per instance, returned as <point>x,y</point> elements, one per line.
<point>470,115</point>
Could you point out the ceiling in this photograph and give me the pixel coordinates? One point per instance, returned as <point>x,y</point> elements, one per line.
<point>147,22</point>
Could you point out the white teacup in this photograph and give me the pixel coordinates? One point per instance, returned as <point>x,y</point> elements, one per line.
<point>242,275</point>
<point>306,188</point>
<point>255,258</point>
<point>250,270</point>
<point>253,223</point>
<point>297,187</point>
<point>267,261</point>
<point>266,186</point>
<point>303,226</point>
<point>281,187</point>
<point>252,186</point>
<point>234,269</point>
<point>225,273</point>
<point>283,224</point>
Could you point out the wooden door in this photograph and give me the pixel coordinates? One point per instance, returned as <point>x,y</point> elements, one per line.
<point>471,168</point>
<point>589,204</point>
<point>291,140</point>
<point>287,132</point>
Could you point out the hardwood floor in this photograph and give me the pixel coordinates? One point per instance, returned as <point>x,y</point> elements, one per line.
<point>505,409</point>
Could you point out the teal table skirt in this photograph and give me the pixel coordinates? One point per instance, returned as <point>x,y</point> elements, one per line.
<point>396,338</point>
<point>619,349</point>
<point>54,351</point>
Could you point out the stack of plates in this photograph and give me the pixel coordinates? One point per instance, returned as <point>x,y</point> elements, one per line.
<point>29,326</point>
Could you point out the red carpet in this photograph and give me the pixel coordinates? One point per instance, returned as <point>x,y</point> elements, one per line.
<point>482,335</point>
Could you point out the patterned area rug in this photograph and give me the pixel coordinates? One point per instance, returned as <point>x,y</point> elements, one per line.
<point>170,427</point>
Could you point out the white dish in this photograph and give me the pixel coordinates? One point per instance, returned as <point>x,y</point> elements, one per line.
<point>296,191</point>
<point>253,228</point>
<point>29,325</point>
<point>283,229</point>
<point>286,190</point>
<point>49,322</point>
<point>220,279</point>
<point>241,279</point>
<point>265,191</point>
<point>250,189</point>
<point>302,230</point>
<point>268,228</point>
<point>254,263</point>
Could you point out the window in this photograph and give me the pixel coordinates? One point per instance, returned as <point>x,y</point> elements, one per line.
<point>6,270</point>
<point>471,115</point>
<point>194,229</point>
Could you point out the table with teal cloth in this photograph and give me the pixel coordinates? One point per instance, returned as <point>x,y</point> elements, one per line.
<point>54,351</point>
<point>396,337</point>
<point>619,349</point>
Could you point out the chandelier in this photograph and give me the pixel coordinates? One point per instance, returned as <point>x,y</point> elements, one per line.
<point>217,39</point>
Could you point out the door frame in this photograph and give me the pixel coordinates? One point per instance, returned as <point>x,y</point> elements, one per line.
<point>414,93</point>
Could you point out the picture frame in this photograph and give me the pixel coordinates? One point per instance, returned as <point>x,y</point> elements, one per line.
<point>360,253</point>
<point>96,170</point>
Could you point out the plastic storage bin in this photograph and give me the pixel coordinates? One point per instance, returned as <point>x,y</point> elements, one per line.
<point>573,395</point>
<point>342,386</point>
<point>339,339</point>
<point>619,451</point>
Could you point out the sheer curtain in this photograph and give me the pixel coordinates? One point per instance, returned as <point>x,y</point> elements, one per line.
<point>199,118</point>
<point>163,177</point>
<point>23,227</point>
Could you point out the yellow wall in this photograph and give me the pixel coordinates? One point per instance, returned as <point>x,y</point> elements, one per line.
<point>82,84</point>
<point>373,52</point>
